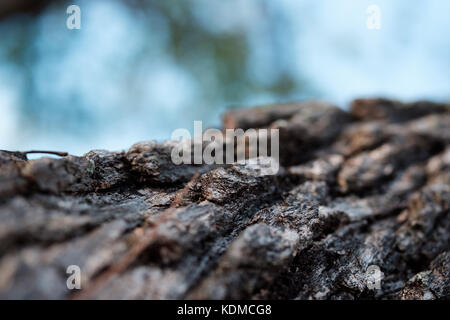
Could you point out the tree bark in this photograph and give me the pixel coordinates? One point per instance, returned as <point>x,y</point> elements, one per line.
<point>368,187</point>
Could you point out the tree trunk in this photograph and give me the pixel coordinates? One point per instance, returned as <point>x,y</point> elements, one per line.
<point>359,209</point>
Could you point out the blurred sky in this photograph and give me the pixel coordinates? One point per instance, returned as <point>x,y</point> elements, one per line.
<point>137,70</point>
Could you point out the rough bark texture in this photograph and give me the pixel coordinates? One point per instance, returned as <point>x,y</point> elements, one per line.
<point>368,187</point>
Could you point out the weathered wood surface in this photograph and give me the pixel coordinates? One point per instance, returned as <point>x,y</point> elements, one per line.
<point>366,187</point>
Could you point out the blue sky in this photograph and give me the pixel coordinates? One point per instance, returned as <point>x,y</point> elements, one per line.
<point>85,76</point>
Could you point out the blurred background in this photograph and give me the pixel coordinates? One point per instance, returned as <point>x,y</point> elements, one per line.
<point>137,70</point>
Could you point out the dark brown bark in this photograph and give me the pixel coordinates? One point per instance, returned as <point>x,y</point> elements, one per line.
<point>368,187</point>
